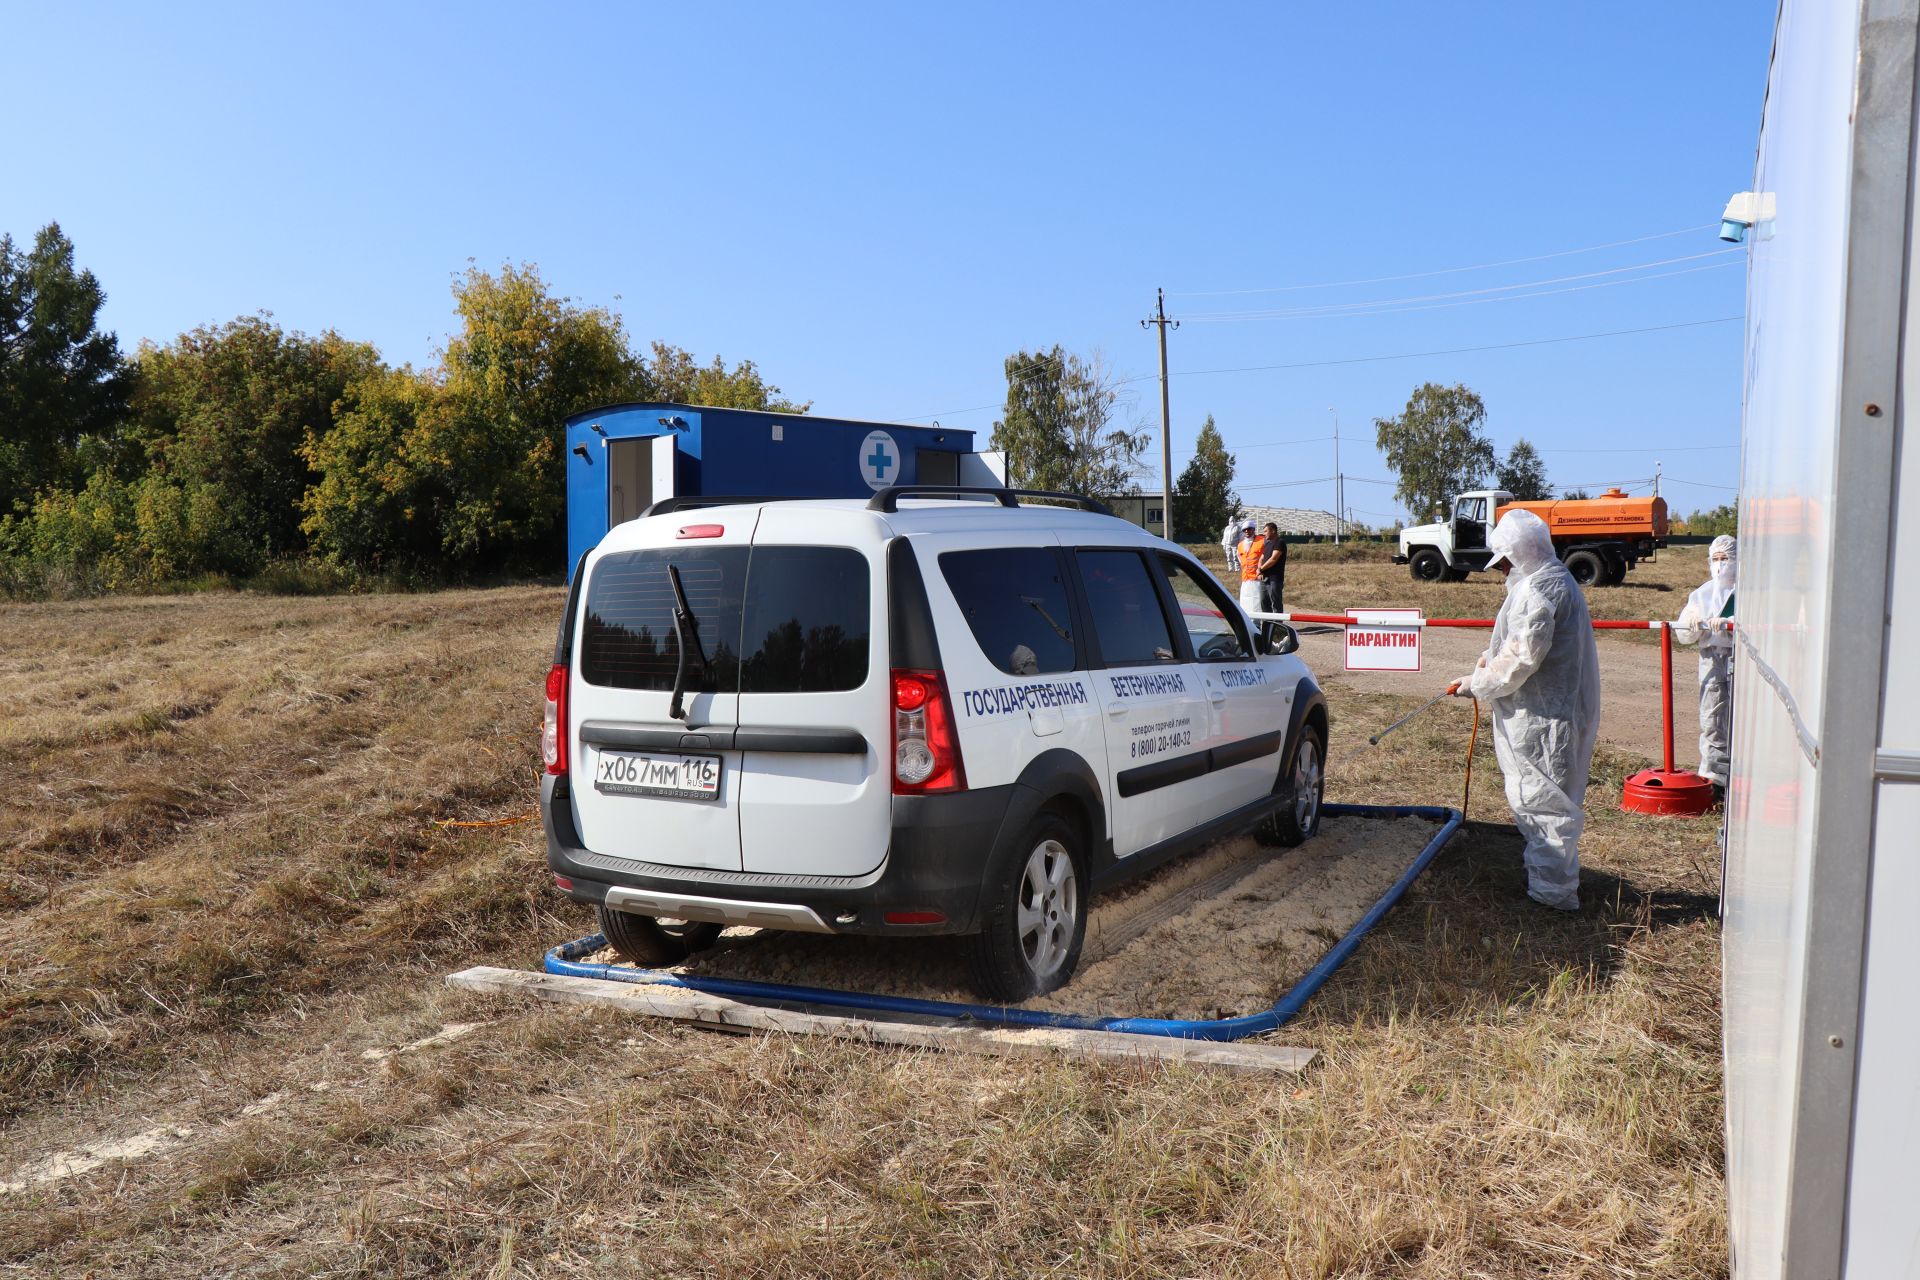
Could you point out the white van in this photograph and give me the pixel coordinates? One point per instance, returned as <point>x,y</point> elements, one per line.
<point>938,711</point>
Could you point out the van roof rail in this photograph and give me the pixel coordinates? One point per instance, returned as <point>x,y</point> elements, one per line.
<point>888,499</point>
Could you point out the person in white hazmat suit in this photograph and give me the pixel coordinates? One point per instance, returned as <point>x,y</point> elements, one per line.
<point>1711,602</point>
<point>1230,541</point>
<point>1540,680</point>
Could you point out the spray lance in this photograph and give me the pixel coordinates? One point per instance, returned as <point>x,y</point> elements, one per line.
<point>1374,741</point>
<point>1472,741</point>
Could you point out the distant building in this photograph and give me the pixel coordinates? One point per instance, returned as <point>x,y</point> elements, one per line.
<point>1298,522</point>
<point>1142,510</point>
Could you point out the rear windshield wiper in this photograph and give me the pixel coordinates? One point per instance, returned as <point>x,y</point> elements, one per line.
<point>686,629</point>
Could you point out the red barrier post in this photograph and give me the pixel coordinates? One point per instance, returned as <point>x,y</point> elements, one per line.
<point>1666,691</point>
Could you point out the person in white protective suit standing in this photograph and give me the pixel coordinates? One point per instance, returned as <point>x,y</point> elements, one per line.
<point>1540,679</point>
<point>1710,604</point>
<point>1230,541</point>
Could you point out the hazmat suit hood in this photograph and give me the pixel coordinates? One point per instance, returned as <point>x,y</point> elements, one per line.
<point>1522,540</point>
<point>1724,571</point>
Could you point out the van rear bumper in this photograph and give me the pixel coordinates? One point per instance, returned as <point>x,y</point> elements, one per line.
<point>935,862</point>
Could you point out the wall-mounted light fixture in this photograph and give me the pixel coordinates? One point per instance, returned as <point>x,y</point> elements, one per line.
<point>597,427</point>
<point>582,451</point>
<point>1746,210</point>
<point>675,422</point>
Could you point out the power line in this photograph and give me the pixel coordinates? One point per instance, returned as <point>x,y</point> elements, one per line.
<point>1701,484</point>
<point>1444,271</point>
<point>1472,297</point>
<point>1652,448</point>
<point>1284,484</point>
<point>1400,355</point>
<point>1457,351</point>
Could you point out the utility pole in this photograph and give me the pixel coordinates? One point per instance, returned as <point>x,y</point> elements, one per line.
<point>1656,479</point>
<point>1159,319</point>
<point>1339,481</point>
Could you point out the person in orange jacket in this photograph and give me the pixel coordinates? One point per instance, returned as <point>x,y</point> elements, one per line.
<point>1252,547</point>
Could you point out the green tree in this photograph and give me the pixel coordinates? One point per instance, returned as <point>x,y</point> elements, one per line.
<point>1436,447</point>
<point>60,378</point>
<point>1059,430</point>
<point>1714,522</point>
<point>374,502</point>
<point>461,467</point>
<point>1580,495</point>
<point>674,374</point>
<point>1204,499</point>
<point>222,415</point>
<point>1523,474</point>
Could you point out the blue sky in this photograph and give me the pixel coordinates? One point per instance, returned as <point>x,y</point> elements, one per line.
<point>879,204</point>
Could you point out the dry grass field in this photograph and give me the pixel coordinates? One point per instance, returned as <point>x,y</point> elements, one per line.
<point>228,900</point>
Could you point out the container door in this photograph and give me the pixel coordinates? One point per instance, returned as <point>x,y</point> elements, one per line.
<point>645,785</point>
<point>986,470</point>
<point>815,709</point>
<point>1158,725</point>
<point>629,478</point>
<point>664,452</point>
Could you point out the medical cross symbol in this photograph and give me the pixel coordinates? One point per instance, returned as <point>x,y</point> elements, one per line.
<point>879,457</point>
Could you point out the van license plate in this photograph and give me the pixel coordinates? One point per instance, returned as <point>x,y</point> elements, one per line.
<point>639,773</point>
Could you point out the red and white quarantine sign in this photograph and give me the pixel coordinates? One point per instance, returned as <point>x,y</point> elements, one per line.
<point>1383,639</point>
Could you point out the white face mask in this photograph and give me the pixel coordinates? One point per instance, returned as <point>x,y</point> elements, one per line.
<point>1723,572</point>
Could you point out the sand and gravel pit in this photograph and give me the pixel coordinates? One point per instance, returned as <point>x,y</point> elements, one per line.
<point>1219,933</point>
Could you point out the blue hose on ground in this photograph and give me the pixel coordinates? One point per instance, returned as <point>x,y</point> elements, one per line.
<point>564,960</point>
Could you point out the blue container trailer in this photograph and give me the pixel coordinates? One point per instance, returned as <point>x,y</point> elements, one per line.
<point>623,457</point>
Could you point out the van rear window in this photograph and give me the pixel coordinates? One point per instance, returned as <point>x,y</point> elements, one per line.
<point>768,619</point>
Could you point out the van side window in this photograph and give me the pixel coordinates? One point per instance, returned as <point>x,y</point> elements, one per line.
<point>1215,627</point>
<point>1016,605</point>
<point>1124,608</point>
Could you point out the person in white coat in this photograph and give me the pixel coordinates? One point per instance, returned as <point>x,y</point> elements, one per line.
<point>1230,541</point>
<point>1540,678</point>
<point>1702,622</point>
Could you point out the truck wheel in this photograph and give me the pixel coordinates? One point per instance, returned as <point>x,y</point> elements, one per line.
<point>647,942</point>
<point>1458,575</point>
<point>1427,565</point>
<point>1303,786</point>
<point>1616,569</point>
<point>1036,915</point>
<point>1586,567</point>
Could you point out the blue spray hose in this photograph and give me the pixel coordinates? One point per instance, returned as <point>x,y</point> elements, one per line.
<point>565,960</point>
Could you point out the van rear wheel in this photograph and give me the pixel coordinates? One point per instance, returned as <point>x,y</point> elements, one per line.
<point>1036,918</point>
<point>647,942</point>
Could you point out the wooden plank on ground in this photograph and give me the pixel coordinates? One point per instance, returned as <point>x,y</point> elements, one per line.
<point>682,1004</point>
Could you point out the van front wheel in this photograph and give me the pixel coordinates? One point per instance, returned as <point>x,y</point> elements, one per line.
<point>647,942</point>
<point>1036,918</point>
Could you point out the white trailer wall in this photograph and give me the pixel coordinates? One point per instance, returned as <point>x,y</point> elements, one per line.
<point>1819,1086</point>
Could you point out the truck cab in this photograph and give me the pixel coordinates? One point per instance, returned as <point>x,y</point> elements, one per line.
<point>1451,549</point>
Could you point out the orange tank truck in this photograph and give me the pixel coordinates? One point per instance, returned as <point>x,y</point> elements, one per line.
<point>1599,539</point>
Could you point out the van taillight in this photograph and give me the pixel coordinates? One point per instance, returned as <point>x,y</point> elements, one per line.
<point>553,737</point>
<point>926,750</point>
